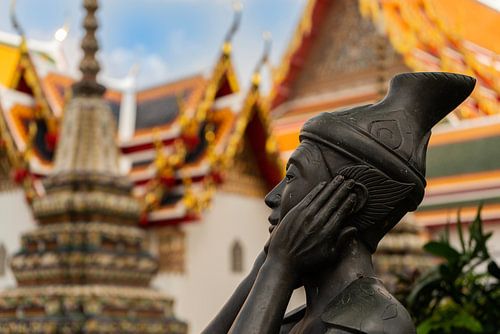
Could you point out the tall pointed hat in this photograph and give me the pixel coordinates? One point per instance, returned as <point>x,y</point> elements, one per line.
<point>392,135</point>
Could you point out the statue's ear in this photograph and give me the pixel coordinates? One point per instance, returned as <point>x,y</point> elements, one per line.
<point>361,196</point>
<point>379,194</point>
<point>345,236</point>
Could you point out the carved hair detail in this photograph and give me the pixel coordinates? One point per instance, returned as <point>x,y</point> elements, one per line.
<point>383,194</point>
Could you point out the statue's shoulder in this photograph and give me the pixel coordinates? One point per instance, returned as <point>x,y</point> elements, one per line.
<point>291,319</point>
<point>366,306</point>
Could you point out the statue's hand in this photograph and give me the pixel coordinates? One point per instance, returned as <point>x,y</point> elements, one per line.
<point>259,261</point>
<point>306,235</point>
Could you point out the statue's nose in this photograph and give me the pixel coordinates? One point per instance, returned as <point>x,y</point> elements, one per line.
<point>273,200</point>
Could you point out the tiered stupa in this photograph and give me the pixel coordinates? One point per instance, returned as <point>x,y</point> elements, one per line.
<point>86,268</point>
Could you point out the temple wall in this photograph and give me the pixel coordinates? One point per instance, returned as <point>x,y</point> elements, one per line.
<point>208,280</point>
<point>15,219</point>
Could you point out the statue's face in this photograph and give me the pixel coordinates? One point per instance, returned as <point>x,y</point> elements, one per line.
<point>305,169</point>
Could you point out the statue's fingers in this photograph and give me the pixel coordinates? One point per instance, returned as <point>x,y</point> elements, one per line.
<point>338,194</point>
<point>327,192</point>
<point>305,246</point>
<point>334,201</point>
<point>311,226</point>
<point>339,215</point>
<point>302,205</point>
<point>268,243</point>
<point>311,196</point>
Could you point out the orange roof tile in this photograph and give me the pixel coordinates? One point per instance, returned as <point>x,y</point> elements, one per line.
<point>469,20</point>
<point>446,35</point>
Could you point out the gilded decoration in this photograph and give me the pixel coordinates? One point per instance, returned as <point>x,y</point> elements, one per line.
<point>244,177</point>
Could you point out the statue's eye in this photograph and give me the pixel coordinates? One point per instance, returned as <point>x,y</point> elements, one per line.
<point>289,177</point>
<point>291,173</point>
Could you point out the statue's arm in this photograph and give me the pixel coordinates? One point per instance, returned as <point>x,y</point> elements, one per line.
<point>300,239</point>
<point>225,318</point>
<point>266,304</point>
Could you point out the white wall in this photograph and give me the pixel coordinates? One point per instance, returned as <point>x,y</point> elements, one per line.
<point>208,281</point>
<point>15,219</point>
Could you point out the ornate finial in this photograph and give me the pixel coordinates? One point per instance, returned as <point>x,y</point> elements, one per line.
<point>237,7</point>
<point>13,19</point>
<point>89,66</point>
<point>264,59</point>
<point>17,26</point>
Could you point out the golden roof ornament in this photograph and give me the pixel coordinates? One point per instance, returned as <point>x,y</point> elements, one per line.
<point>264,59</point>
<point>14,21</point>
<point>237,9</point>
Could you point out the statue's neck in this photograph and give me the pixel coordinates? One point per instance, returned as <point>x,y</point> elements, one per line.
<point>353,262</point>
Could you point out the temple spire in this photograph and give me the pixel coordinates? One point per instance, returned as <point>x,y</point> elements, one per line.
<point>264,59</point>
<point>235,25</point>
<point>14,21</point>
<point>89,66</point>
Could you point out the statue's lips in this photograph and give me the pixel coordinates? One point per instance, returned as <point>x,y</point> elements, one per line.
<point>271,228</point>
<point>273,220</point>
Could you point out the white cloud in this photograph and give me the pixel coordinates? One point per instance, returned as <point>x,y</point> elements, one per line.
<point>117,63</point>
<point>180,44</point>
<point>153,68</point>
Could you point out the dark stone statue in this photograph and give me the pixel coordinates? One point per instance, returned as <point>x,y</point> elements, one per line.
<point>355,174</point>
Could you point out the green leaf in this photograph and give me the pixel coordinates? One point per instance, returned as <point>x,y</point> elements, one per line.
<point>460,231</point>
<point>455,297</point>
<point>474,227</point>
<point>442,249</point>
<point>493,269</point>
<point>450,318</point>
<point>449,273</point>
<point>427,282</point>
<point>464,320</point>
<point>425,327</point>
<point>478,238</point>
<point>445,236</point>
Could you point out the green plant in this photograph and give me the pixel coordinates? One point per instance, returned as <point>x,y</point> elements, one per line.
<point>461,295</point>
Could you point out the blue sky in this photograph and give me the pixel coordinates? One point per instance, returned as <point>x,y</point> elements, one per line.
<point>167,38</point>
